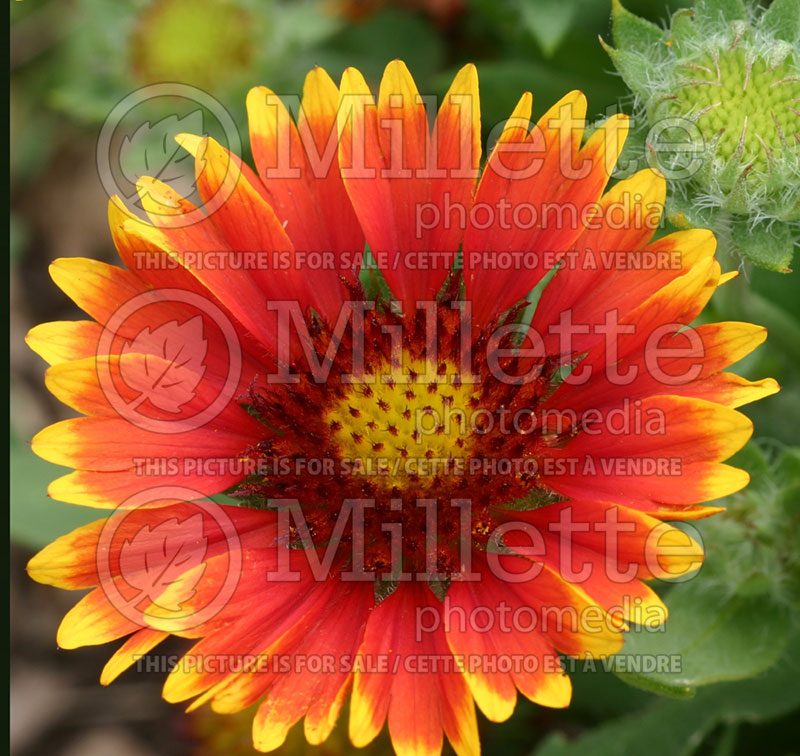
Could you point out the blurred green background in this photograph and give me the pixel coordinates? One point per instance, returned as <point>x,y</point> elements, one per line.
<point>73,60</point>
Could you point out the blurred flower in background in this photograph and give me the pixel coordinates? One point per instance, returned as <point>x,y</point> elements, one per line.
<point>205,43</point>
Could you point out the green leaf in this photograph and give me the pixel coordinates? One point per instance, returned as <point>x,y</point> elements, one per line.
<point>751,549</point>
<point>727,742</point>
<point>683,31</point>
<point>753,459</point>
<point>769,245</point>
<point>439,588</point>
<point>383,589</point>
<point>788,466</point>
<point>715,11</point>
<point>535,499</point>
<point>678,728</point>
<point>37,520</point>
<point>782,20</point>
<point>633,33</point>
<point>548,21</point>
<point>784,329</point>
<point>710,636</point>
<point>685,214</point>
<point>636,71</point>
<point>372,280</point>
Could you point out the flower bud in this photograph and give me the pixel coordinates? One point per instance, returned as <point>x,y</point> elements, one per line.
<point>718,98</point>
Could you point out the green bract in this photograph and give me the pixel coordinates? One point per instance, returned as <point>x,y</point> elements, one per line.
<point>718,96</point>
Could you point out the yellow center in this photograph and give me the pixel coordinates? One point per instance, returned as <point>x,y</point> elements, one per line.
<point>409,425</point>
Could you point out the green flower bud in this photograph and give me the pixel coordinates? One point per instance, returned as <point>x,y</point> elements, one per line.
<point>718,100</point>
<point>752,547</point>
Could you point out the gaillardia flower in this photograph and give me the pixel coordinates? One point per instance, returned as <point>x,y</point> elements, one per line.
<point>439,493</point>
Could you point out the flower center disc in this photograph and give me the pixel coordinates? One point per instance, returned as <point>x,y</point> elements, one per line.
<point>407,425</point>
<point>430,440</point>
